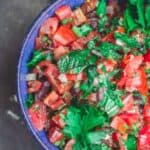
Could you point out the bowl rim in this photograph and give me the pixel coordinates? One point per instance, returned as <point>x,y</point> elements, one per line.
<point>31,28</point>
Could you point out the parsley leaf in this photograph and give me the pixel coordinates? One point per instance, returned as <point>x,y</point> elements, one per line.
<point>80,121</point>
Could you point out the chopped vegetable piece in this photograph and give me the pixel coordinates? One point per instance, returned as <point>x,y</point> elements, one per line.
<point>63,12</point>
<point>64,35</point>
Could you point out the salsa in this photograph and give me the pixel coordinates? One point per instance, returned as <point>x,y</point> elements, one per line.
<point>89,76</point>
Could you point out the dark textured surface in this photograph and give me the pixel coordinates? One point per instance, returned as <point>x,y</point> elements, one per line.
<point>16,17</point>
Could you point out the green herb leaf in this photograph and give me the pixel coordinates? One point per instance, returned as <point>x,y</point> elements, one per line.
<point>129,41</point>
<point>131,143</point>
<point>109,50</point>
<point>37,57</point>
<point>74,59</point>
<point>30,100</point>
<point>101,8</point>
<point>129,21</point>
<point>147,15</point>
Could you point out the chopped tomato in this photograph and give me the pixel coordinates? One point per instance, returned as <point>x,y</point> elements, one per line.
<point>120,29</point>
<point>57,104</point>
<point>119,124</point>
<point>55,135</point>
<point>51,98</point>
<point>69,145</point>
<point>144,138</point>
<point>79,17</point>
<point>64,35</point>
<point>146,113</point>
<point>115,137</point>
<point>38,115</point>
<point>108,38</point>
<point>124,121</point>
<point>34,86</point>
<point>130,118</point>
<point>60,51</point>
<point>71,77</point>
<point>58,120</point>
<point>147,56</point>
<point>38,43</point>
<point>63,12</point>
<point>133,64</point>
<point>128,103</point>
<point>49,27</point>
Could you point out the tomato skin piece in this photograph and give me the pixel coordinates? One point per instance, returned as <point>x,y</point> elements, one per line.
<point>119,124</point>
<point>34,86</point>
<point>58,120</point>
<point>38,115</point>
<point>51,98</point>
<point>64,35</point>
<point>69,144</point>
<point>60,51</point>
<point>147,56</point>
<point>55,135</point>
<point>146,113</point>
<point>144,138</point>
<point>128,103</point>
<point>49,27</point>
<point>109,38</point>
<point>64,12</point>
<point>57,104</point>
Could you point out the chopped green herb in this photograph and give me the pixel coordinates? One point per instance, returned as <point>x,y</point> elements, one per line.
<point>30,100</point>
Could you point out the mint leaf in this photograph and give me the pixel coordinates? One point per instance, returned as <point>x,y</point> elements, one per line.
<point>131,143</point>
<point>101,8</point>
<point>129,41</point>
<point>74,59</point>
<point>109,50</point>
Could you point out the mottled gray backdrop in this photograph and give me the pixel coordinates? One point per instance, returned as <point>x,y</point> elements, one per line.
<point>15,18</point>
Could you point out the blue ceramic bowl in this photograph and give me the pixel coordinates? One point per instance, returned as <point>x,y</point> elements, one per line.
<point>26,52</point>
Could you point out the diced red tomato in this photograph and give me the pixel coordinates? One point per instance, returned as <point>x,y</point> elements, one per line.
<point>55,135</point>
<point>38,43</point>
<point>51,98</point>
<point>130,118</point>
<point>34,86</point>
<point>60,51</point>
<point>146,113</point>
<point>109,38</point>
<point>147,56</point>
<point>58,120</point>
<point>69,145</point>
<point>115,137</point>
<point>124,121</point>
<point>128,103</point>
<point>38,115</point>
<point>57,104</point>
<point>144,138</point>
<point>119,124</point>
<point>64,12</point>
<point>132,65</point>
<point>49,27</point>
<point>71,77</point>
<point>64,35</point>
<point>110,64</point>
<point>78,17</point>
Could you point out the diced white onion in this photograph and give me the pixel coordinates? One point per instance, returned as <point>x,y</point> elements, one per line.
<point>31,77</point>
<point>63,78</point>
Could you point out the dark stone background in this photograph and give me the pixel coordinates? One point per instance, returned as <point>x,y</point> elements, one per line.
<point>15,18</point>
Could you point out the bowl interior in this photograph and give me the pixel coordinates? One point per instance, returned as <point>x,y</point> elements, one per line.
<point>26,52</point>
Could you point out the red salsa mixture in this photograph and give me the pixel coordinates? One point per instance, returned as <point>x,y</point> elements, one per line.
<point>89,76</point>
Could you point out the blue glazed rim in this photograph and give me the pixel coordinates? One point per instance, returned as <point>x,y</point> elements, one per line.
<point>26,51</point>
